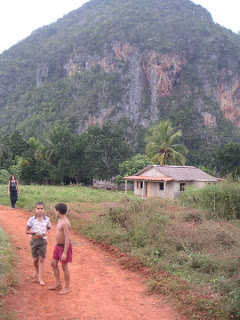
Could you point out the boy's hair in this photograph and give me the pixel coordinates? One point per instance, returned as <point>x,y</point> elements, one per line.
<point>39,203</point>
<point>61,207</point>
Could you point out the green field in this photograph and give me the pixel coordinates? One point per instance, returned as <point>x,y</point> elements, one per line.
<point>194,256</point>
<point>51,195</point>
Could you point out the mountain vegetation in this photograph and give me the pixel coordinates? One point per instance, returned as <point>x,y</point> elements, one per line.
<point>133,62</point>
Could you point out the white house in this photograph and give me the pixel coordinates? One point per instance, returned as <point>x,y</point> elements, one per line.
<point>167,181</point>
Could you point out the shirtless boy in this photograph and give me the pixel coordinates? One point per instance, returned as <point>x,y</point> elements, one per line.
<point>63,249</point>
<point>38,226</point>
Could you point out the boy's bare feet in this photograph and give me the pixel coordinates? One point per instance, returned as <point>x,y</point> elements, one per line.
<point>64,291</point>
<point>42,283</point>
<point>35,275</point>
<point>55,287</point>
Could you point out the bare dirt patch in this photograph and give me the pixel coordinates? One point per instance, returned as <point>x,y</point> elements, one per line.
<point>100,288</point>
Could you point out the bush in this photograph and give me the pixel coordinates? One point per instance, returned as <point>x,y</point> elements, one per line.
<point>4,176</point>
<point>221,200</point>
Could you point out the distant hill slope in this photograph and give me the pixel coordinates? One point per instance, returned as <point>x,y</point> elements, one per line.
<point>134,62</point>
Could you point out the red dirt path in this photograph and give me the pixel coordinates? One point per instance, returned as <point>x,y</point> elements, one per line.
<point>100,288</point>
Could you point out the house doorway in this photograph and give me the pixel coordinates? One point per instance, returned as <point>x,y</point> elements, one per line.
<point>148,189</point>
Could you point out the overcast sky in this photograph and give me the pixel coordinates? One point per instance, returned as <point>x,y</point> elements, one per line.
<point>18,18</point>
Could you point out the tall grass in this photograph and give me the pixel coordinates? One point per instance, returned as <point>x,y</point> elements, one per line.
<point>7,270</point>
<point>199,257</point>
<point>30,194</point>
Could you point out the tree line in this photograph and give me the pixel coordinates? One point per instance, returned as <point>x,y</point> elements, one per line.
<point>102,152</point>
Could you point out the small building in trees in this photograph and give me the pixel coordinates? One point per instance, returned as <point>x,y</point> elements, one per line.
<point>167,181</point>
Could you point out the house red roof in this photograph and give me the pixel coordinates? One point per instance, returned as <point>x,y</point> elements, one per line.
<point>145,178</point>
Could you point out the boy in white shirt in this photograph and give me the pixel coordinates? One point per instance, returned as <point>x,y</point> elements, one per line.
<point>38,226</point>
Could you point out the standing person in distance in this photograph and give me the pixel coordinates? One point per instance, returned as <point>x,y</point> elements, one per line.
<point>63,249</point>
<point>38,226</point>
<point>13,190</point>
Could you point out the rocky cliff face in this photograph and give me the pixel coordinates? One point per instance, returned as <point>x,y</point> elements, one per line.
<point>148,73</point>
<point>153,74</point>
<point>229,99</point>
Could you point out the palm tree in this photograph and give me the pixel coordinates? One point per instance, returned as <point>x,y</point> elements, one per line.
<point>47,150</point>
<point>161,145</point>
<point>34,147</point>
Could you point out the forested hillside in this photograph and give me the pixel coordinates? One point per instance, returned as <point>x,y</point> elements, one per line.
<point>134,62</point>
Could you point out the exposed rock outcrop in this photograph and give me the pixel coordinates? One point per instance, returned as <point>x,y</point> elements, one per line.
<point>157,74</point>
<point>229,100</point>
<point>41,74</point>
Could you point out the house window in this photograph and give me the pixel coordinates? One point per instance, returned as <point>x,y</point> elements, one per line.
<point>161,186</point>
<point>182,186</point>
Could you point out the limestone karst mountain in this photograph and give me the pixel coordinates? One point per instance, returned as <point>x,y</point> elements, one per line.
<point>134,62</point>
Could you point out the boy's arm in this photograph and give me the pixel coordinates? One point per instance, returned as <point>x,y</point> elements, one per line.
<point>9,187</point>
<point>29,231</point>
<point>48,228</point>
<point>67,240</point>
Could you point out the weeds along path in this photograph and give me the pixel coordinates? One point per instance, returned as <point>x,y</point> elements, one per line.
<point>100,288</point>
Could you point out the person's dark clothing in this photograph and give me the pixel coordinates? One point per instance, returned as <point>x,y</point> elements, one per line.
<point>13,193</point>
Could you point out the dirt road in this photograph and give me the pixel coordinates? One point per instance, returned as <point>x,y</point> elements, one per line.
<point>100,288</point>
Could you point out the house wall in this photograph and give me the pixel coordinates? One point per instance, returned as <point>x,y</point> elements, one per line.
<point>153,172</point>
<point>137,191</point>
<point>172,188</point>
<point>201,184</point>
<point>155,190</point>
<point>152,189</point>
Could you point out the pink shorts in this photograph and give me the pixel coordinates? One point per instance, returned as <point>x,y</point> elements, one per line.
<point>58,251</point>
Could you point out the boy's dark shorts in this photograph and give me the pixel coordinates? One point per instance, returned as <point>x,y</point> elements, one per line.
<point>38,247</point>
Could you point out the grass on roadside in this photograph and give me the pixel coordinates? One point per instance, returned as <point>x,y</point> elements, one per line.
<point>7,271</point>
<point>195,260</point>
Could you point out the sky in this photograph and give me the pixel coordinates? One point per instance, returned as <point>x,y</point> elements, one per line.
<point>224,12</point>
<point>19,18</point>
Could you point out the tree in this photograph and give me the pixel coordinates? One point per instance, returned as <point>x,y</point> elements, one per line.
<point>132,166</point>
<point>4,176</point>
<point>78,170</point>
<point>106,149</point>
<point>48,146</point>
<point>16,144</point>
<point>162,147</point>
<point>137,163</point>
<point>58,152</point>
<point>64,154</point>
<point>34,147</point>
<point>4,152</point>
<point>34,167</point>
<point>228,159</point>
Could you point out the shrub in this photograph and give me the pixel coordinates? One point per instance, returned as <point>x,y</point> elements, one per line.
<point>4,176</point>
<point>221,200</point>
